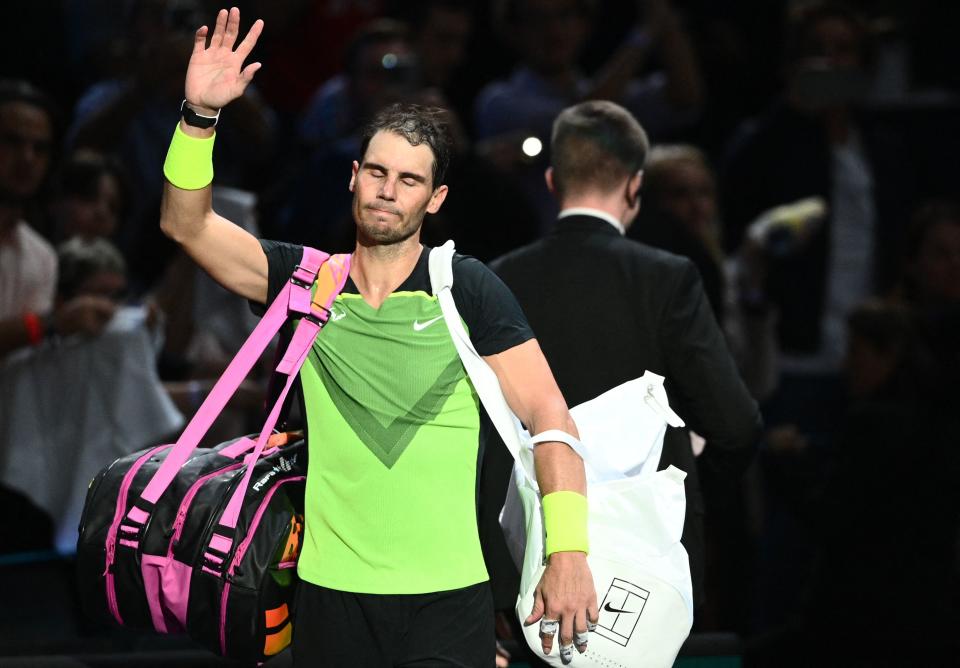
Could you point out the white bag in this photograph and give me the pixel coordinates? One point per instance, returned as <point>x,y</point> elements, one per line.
<point>640,570</point>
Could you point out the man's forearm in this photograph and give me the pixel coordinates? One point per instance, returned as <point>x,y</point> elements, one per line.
<point>558,466</point>
<point>183,212</point>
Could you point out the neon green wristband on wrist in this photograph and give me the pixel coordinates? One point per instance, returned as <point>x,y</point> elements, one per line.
<point>189,163</point>
<point>565,521</point>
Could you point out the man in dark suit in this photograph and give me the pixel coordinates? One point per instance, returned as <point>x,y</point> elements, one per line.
<point>606,308</point>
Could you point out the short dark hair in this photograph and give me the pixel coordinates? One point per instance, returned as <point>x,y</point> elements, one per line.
<point>418,125</point>
<point>17,90</point>
<point>79,259</point>
<point>595,144</point>
<point>81,172</point>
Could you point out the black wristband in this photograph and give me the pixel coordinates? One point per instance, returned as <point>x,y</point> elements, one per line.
<point>193,119</point>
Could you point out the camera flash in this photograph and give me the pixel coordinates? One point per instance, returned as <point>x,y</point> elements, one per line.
<point>532,146</point>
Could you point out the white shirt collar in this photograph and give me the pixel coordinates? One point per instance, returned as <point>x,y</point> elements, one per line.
<point>596,213</point>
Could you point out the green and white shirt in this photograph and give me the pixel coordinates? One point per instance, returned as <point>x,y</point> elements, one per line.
<point>393,427</point>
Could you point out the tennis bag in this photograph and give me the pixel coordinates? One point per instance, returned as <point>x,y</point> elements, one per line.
<point>205,540</point>
<point>640,569</point>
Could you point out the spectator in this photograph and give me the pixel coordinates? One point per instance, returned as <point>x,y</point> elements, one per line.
<point>129,115</point>
<point>379,69</point>
<point>931,276</point>
<point>549,36</point>
<point>815,143</point>
<point>28,264</point>
<point>807,271</point>
<point>75,403</point>
<point>886,512</point>
<point>680,214</point>
<point>91,198</point>
<point>440,33</point>
<point>91,267</point>
<point>304,47</point>
<point>932,256</point>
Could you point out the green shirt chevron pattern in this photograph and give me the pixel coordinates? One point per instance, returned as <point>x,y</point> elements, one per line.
<point>394,426</point>
<point>394,431</point>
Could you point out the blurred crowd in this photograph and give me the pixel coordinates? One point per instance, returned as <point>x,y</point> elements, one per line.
<point>805,158</point>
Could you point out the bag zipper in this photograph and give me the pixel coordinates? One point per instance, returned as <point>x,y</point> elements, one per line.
<point>184,508</point>
<point>238,556</point>
<point>111,546</point>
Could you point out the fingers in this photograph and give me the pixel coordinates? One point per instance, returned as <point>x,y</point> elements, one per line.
<point>219,29</point>
<point>85,315</point>
<point>200,40</point>
<point>537,611</point>
<point>232,28</point>
<point>581,634</point>
<point>249,71</point>
<point>246,46</point>
<point>549,626</point>
<point>566,632</point>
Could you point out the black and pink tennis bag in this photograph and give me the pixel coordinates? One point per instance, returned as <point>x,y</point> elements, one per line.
<point>205,540</point>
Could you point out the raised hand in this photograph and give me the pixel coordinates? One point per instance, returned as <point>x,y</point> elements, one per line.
<point>215,74</point>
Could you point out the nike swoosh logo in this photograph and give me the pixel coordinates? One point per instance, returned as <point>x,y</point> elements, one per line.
<point>420,326</point>
<point>608,608</point>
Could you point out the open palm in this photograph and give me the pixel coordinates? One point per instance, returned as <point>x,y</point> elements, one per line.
<point>215,74</point>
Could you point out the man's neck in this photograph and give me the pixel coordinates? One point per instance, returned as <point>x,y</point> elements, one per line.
<point>611,205</point>
<point>377,269</point>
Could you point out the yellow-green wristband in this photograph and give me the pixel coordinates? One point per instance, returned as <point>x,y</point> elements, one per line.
<point>565,521</point>
<point>189,163</point>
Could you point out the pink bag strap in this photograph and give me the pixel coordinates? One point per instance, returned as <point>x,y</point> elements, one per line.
<point>330,281</point>
<point>293,300</point>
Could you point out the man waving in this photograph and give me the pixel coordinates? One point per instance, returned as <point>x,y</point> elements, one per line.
<point>391,568</point>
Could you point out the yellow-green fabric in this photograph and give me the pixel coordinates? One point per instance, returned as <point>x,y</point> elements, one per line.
<point>394,436</point>
<point>565,522</point>
<point>189,162</point>
<point>393,425</point>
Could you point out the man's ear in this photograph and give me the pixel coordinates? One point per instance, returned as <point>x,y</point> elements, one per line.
<point>436,199</point>
<point>633,187</point>
<point>548,177</point>
<point>353,175</point>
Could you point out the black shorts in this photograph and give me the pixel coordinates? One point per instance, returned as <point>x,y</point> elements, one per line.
<point>338,629</point>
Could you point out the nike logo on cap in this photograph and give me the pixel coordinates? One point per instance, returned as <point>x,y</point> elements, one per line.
<point>419,326</point>
<point>608,608</point>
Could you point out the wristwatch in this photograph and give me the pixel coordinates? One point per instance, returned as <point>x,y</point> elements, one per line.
<point>193,119</point>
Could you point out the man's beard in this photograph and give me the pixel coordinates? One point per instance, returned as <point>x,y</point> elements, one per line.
<point>385,234</point>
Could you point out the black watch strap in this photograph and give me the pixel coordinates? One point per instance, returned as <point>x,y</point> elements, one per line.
<point>193,119</point>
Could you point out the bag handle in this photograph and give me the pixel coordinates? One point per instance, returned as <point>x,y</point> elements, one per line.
<point>329,283</point>
<point>481,375</point>
<point>294,299</point>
